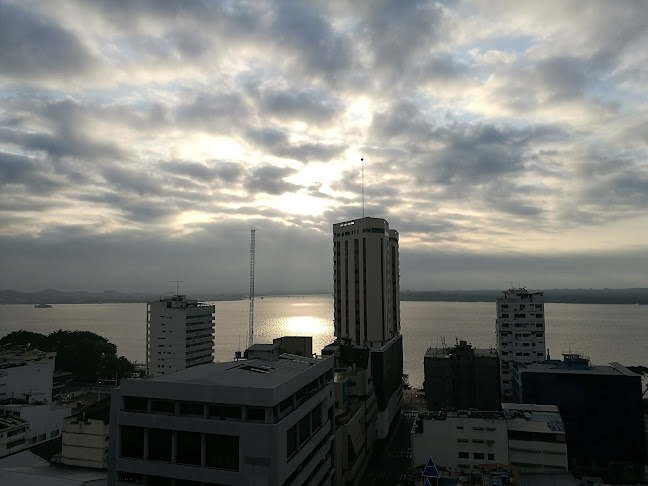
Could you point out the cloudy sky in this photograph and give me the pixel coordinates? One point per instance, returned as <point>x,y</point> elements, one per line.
<point>140,140</point>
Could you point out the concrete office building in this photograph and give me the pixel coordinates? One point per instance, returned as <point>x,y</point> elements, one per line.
<point>366,292</point>
<point>601,406</point>
<point>520,329</point>
<point>85,437</point>
<point>529,437</point>
<point>179,335</point>
<point>45,421</point>
<point>462,377</point>
<point>256,421</point>
<point>28,382</point>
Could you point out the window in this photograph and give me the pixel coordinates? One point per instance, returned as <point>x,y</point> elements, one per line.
<point>316,418</point>
<point>188,448</point>
<point>160,445</point>
<point>519,316</point>
<point>491,457</point>
<point>291,441</point>
<point>188,408</point>
<point>256,414</point>
<point>504,306</point>
<point>134,404</point>
<point>132,442</point>
<point>505,324</point>
<point>539,315</point>
<point>464,455</point>
<point>504,316</point>
<point>159,481</point>
<point>304,429</point>
<point>222,451</point>
<point>522,306</point>
<point>525,344</point>
<point>225,412</point>
<point>478,455</point>
<point>166,407</point>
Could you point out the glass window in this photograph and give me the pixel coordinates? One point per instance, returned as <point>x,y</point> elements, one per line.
<point>132,442</point>
<point>134,404</point>
<point>304,429</point>
<point>166,407</point>
<point>256,414</point>
<point>478,455</point>
<point>464,455</point>
<point>188,448</point>
<point>188,408</point>
<point>159,445</point>
<point>291,441</point>
<point>316,418</point>
<point>222,451</point>
<point>225,412</point>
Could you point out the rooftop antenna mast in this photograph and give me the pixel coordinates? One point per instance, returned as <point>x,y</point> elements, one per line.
<point>252,262</point>
<point>177,282</point>
<point>362,161</point>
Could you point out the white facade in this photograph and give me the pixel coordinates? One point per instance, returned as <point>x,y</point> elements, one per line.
<point>179,335</point>
<point>520,328</point>
<point>366,282</point>
<point>256,421</point>
<point>45,421</point>
<point>529,437</point>
<point>14,435</point>
<point>85,437</point>
<point>460,440</point>
<point>29,381</point>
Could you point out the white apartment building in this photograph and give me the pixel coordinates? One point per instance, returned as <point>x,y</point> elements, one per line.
<point>29,382</point>
<point>528,437</point>
<point>520,329</point>
<point>14,435</point>
<point>179,334</point>
<point>256,421</point>
<point>45,421</point>
<point>366,280</point>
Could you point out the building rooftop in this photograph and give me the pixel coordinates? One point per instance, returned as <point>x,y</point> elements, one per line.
<point>556,366</point>
<point>533,418</point>
<point>19,355</point>
<point>8,421</point>
<point>27,469</point>
<point>254,373</point>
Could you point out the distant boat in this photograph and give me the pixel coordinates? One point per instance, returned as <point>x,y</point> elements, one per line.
<point>43,306</point>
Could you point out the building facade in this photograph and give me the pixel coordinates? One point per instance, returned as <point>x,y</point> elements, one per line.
<point>179,335</point>
<point>255,421</point>
<point>14,435</point>
<point>366,280</point>
<point>528,437</point>
<point>601,406</point>
<point>366,291</point>
<point>85,437</point>
<point>520,329</point>
<point>462,377</point>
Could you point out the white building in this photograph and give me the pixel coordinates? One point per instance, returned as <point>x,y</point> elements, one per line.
<point>520,328</point>
<point>366,282</point>
<point>45,421</point>
<point>85,437</point>
<point>179,334</point>
<point>528,437</point>
<point>256,421</point>
<point>14,434</point>
<point>366,292</point>
<point>29,382</point>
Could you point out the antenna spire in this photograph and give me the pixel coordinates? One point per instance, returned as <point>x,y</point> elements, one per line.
<point>252,265</point>
<point>177,282</point>
<point>363,204</point>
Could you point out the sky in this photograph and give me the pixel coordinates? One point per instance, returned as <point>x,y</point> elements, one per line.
<point>140,141</point>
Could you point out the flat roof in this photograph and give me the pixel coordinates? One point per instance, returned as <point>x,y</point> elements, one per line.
<point>555,366</point>
<point>254,373</point>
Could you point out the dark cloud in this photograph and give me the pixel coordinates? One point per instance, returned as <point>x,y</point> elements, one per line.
<point>312,107</point>
<point>269,179</point>
<point>205,172</point>
<point>276,142</point>
<point>35,47</point>
<point>26,172</point>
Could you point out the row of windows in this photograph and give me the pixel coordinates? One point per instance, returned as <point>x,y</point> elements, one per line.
<point>215,411</point>
<point>221,451</point>
<point>298,434</point>
<point>136,478</point>
<point>476,455</point>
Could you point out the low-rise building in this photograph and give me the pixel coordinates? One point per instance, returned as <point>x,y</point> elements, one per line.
<point>14,434</point>
<point>527,437</point>
<point>255,421</point>
<point>85,437</point>
<point>45,421</point>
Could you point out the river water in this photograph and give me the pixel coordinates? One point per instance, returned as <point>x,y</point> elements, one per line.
<point>605,333</point>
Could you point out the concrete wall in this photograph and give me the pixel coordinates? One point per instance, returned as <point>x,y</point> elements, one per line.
<point>31,380</point>
<point>85,443</point>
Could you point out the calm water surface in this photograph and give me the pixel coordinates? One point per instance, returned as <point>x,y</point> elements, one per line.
<point>603,332</point>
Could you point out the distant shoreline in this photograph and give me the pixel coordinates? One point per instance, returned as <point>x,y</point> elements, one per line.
<point>637,296</point>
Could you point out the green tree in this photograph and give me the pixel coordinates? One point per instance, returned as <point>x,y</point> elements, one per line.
<point>26,338</point>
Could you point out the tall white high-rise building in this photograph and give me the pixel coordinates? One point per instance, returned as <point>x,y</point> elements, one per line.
<point>366,282</point>
<point>520,332</point>
<point>179,334</point>
<point>367,305</point>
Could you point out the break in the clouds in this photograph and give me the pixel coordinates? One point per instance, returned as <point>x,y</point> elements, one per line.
<point>139,141</point>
